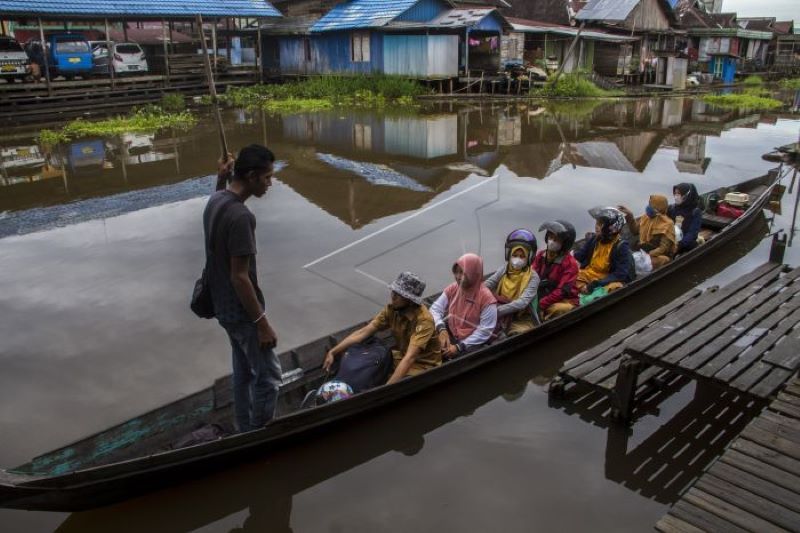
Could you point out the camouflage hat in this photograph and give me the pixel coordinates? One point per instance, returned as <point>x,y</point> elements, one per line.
<point>409,286</point>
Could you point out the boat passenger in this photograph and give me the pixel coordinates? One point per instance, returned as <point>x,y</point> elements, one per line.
<point>417,347</point>
<point>687,213</point>
<point>557,269</point>
<point>515,284</point>
<point>654,229</point>
<point>605,258</point>
<point>465,313</point>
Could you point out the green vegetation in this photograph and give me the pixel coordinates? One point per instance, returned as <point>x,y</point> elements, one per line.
<point>790,83</point>
<point>753,80</point>
<point>173,102</point>
<point>742,100</point>
<point>327,91</point>
<point>145,120</point>
<point>574,85</point>
<point>573,109</point>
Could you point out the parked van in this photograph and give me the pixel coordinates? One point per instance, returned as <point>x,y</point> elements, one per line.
<point>14,62</point>
<point>69,55</point>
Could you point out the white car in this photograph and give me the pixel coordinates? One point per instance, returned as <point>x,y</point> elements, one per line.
<point>127,58</point>
<point>14,62</point>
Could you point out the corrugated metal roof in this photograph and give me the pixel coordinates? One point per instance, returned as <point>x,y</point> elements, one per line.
<point>362,14</point>
<point>454,18</point>
<point>534,26</point>
<point>300,25</point>
<point>138,8</point>
<point>607,10</point>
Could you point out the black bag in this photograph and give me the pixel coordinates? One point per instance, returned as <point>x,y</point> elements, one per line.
<point>365,366</point>
<point>201,303</point>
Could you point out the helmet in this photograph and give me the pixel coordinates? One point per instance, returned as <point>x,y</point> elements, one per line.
<point>563,230</point>
<point>611,218</point>
<point>521,237</point>
<point>333,391</point>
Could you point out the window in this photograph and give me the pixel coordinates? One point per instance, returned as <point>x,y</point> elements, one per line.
<point>307,49</point>
<point>67,47</point>
<point>359,46</point>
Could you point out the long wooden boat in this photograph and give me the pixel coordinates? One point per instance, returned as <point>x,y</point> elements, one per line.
<point>140,455</point>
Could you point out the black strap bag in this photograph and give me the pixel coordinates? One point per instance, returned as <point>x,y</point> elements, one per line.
<point>201,303</point>
<point>365,366</point>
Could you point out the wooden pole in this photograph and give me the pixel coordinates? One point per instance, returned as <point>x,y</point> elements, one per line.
<point>228,39</point>
<point>212,89</point>
<point>109,54</point>
<point>166,37</point>
<point>259,56</point>
<point>46,60</point>
<point>569,54</point>
<point>214,42</point>
<point>466,55</point>
<point>125,31</point>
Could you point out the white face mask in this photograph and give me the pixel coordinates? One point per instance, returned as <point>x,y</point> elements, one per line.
<point>678,199</point>
<point>517,263</point>
<point>553,246</point>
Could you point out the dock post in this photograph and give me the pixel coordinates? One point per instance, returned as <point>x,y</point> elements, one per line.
<point>166,38</point>
<point>110,54</point>
<point>778,248</point>
<point>259,54</point>
<point>46,61</point>
<point>625,389</point>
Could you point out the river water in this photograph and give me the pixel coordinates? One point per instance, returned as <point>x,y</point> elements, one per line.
<point>101,241</point>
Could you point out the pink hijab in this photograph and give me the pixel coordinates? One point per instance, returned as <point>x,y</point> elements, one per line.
<point>465,305</point>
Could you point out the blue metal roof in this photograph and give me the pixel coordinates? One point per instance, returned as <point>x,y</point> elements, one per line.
<point>138,8</point>
<point>362,14</point>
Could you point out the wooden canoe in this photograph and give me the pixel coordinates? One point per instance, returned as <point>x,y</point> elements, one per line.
<point>139,455</point>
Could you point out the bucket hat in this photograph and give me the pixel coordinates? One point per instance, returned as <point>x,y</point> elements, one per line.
<point>409,286</point>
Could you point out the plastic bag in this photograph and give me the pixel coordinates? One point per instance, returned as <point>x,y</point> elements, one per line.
<point>643,262</point>
<point>596,294</point>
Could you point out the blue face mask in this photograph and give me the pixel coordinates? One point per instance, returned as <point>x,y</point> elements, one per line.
<point>649,211</point>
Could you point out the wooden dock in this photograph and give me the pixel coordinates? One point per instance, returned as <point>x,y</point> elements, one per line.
<point>742,337</point>
<point>755,484</point>
<point>730,336</point>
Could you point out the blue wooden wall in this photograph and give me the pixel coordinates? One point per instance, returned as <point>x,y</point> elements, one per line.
<point>490,23</point>
<point>330,54</point>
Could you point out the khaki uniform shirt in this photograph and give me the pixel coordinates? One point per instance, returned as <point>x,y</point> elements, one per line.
<point>412,326</point>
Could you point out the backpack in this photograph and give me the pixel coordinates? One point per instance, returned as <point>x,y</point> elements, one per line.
<point>365,366</point>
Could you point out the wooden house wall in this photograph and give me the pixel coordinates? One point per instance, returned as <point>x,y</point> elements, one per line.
<point>512,47</point>
<point>606,58</point>
<point>330,54</point>
<point>648,15</point>
<point>423,11</point>
<point>421,56</point>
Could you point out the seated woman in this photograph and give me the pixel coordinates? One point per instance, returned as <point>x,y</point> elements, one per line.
<point>656,231</point>
<point>687,214</point>
<point>465,314</point>
<point>605,258</point>
<point>557,270</point>
<point>417,345</point>
<point>515,284</point>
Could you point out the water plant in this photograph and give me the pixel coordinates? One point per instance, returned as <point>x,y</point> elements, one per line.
<point>742,100</point>
<point>753,79</point>
<point>173,102</point>
<point>573,85</point>
<point>790,83</point>
<point>147,119</point>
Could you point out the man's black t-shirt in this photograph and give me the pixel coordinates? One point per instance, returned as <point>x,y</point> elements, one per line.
<point>229,229</point>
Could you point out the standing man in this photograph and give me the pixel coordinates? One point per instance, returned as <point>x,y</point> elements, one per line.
<point>229,229</point>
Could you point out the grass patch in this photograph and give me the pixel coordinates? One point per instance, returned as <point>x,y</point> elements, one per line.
<point>792,83</point>
<point>753,80</point>
<point>573,109</point>
<point>173,102</point>
<point>742,100</point>
<point>572,86</point>
<point>309,95</point>
<point>148,119</point>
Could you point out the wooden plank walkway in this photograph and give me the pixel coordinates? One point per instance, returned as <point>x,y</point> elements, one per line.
<point>755,484</point>
<point>743,336</point>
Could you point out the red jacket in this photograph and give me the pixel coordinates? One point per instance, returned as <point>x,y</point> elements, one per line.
<point>557,280</point>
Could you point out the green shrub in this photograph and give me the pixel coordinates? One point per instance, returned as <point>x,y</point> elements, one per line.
<point>572,86</point>
<point>742,100</point>
<point>790,83</point>
<point>173,102</point>
<point>753,80</point>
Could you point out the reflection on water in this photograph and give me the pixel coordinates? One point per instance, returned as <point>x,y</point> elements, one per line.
<point>106,244</point>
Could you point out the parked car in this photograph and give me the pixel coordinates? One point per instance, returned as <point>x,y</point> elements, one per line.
<point>14,62</point>
<point>69,55</point>
<point>127,58</point>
